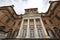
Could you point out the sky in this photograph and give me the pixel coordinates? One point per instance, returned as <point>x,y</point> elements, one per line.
<point>20,5</point>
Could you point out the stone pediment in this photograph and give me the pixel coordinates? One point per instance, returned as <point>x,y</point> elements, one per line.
<point>31,12</point>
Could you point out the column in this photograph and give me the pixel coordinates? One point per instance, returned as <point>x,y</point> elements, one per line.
<point>44,29</point>
<point>20,30</point>
<point>35,30</point>
<point>28,31</point>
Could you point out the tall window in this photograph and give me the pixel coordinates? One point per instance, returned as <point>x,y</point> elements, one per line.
<point>38,21</point>
<point>15,34</point>
<point>50,33</point>
<point>31,22</point>
<point>57,31</point>
<point>25,21</point>
<point>40,34</point>
<point>3,34</point>
<point>24,33</point>
<point>31,33</point>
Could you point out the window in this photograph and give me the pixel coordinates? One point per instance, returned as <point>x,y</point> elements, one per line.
<point>25,22</point>
<point>15,34</point>
<point>40,33</point>
<point>38,21</point>
<point>24,33</point>
<point>31,33</point>
<point>50,33</point>
<point>31,22</point>
<point>57,31</point>
<point>3,34</point>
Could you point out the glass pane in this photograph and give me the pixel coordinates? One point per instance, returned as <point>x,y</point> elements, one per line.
<point>24,33</point>
<point>38,21</point>
<point>50,33</point>
<point>40,33</point>
<point>31,33</point>
<point>3,35</point>
<point>31,22</point>
<point>25,22</point>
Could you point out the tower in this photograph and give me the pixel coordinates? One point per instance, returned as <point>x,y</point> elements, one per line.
<point>32,25</point>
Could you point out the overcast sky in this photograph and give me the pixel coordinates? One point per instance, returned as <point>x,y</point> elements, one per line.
<point>20,5</point>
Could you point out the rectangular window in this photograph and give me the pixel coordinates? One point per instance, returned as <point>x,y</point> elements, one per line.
<point>3,34</point>
<point>31,22</point>
<point>38,21</point>
<point>24,33</point>
<point>15,34</point>
<point>57,31</point>
<point>40,33</point>
<point>50,33</point>
<point>31,33</point>
<point>25,22</point>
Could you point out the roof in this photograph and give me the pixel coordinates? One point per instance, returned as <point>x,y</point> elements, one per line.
<point>11,11</point>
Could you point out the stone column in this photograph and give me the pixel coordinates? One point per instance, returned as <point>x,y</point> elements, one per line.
<point>44,29</point>
<point>20,30</point>
<point>35,30</point>
<point>28,31</point>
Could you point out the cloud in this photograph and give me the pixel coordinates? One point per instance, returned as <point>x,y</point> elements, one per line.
<point>24,0</point>
<point>42,5</point>
<point>20,5</point>
<point>54,0</point>
<point>5,2</point>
